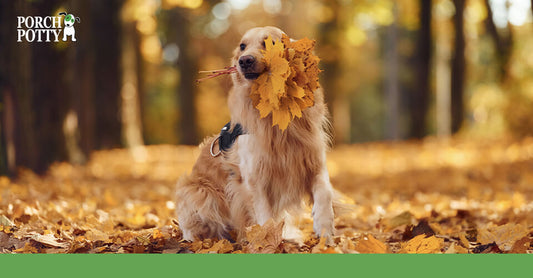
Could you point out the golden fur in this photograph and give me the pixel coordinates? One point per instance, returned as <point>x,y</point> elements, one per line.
<point>266,172</point>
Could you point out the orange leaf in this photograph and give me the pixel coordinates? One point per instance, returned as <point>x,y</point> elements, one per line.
<point>423,245</point>
<point>456,249</point>
<point>370,244</point>
<point>28,248</point>
<point>220,247</point>
<point>281,117</point>
<point>287,86</point>
<point>266,238</point>
<point>504,236</point>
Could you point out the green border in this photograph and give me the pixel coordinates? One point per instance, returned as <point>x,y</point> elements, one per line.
<point>249,265</point>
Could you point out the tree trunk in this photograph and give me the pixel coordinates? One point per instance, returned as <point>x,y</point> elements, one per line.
<point>458,67</point>
<point>39,94</point>
<point>7,131</point>
<point>443,77</point>
<point>78,126</point>
<point>57,96</point>
<point>7,114</point>
<point>16,87</point>
<point>503,43</point>
<point>420,99</point>
<point>106,35</point>
<point>188,67</point>
<point>130,105</point>
<point>337,102</point>
<point>392,91</point>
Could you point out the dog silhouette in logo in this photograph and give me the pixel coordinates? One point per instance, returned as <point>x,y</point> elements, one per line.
<point>69,26</point>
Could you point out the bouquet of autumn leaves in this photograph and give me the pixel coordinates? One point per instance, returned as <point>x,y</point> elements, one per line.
<point>286,88</point>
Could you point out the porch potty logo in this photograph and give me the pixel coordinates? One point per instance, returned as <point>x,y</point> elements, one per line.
<point>46,29</point>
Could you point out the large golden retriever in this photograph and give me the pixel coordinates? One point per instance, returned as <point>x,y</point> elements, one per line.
<point>266,173</point>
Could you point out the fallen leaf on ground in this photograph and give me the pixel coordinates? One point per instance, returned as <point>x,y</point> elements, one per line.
<point>369,244</point>
<point>28,248</point>
<point>423,245</point>
<point>422,228</point>
<point>404,218</point>
<point>487,248</point>
<point>48,239</point>
<point>114,204</point>
<point>504,236</point>
<point>266,238</point>
<point>456,249</point>
<point>220,247</point>
<point>4,221</point>
<point>522,245</point>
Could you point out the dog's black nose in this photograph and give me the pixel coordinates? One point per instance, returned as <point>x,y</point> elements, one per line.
<point>246,62</point>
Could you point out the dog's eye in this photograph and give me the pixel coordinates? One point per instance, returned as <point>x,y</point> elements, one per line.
<point>242,46</point>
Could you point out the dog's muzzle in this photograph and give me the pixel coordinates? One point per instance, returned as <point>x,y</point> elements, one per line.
<point>247,65</point>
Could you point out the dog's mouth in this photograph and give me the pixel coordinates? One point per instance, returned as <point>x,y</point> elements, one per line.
<point>251,75</point>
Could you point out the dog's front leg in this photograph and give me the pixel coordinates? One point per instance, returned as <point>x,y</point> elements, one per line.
<point>262,209</point>
<point>323,208</point>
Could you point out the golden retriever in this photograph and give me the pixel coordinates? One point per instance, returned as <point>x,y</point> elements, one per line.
<point>266,173</point>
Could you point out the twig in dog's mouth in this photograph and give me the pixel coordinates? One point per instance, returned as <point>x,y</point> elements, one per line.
<point>216,73</point>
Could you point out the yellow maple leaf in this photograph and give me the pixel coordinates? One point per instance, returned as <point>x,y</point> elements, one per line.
<point>271,84</point>
<point>286,88</point>
<point>281,117</point>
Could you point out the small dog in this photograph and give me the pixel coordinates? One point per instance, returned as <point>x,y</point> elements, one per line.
<point>69,26</point>
<point>265,173</point>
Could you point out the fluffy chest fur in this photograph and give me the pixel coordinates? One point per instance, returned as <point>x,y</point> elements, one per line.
<point>278,166</point>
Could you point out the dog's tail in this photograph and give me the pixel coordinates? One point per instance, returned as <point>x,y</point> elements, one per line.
<point>342,204</point>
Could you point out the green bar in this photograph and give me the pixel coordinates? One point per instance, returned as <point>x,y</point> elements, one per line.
<point>249,265</point>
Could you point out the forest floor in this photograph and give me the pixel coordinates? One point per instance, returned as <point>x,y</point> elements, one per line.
<point>432,196</point>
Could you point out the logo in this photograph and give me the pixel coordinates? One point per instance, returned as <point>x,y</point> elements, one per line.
<point>46,29</point>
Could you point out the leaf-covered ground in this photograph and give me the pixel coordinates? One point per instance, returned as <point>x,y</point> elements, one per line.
<point>434,196</point>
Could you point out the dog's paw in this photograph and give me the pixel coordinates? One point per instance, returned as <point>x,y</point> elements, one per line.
<point>292,233</point>
<point>323,222</point>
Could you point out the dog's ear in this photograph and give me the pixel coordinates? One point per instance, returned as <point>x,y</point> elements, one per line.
<point>78,19</point>
<point>62,13</point>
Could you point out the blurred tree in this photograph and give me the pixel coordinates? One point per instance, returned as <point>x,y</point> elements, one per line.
<point>443,47</point>
<point>503,42</point>
<point>130,88</point>
<point>38,91</point>
<point>329,40</point>
<point>392,86</point>
<point>95,83</point>
<point>7,129</point>
<point>419,102</point>
<point>61,96</point>
<point>7,114</point>
<point>187,65</point>
<point>458,67</point>
<point>16,89</point>
<point>106,38</point>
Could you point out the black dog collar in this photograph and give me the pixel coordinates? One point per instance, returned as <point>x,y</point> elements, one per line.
<point>227,138</point>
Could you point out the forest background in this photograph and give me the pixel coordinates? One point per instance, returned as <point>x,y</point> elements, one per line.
<point>393,70</point>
